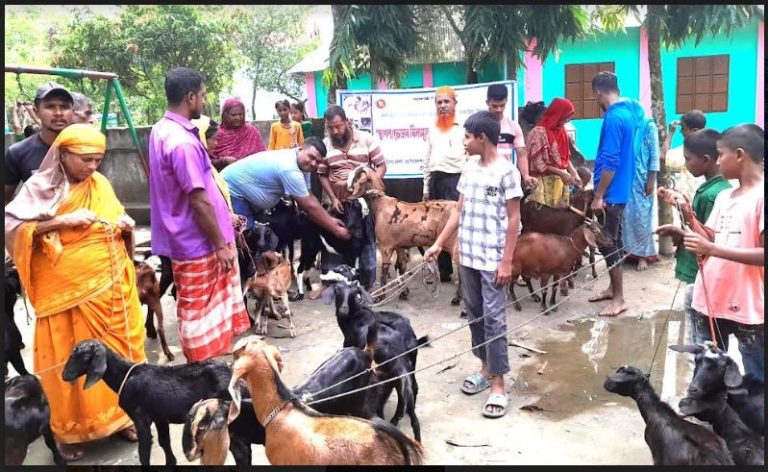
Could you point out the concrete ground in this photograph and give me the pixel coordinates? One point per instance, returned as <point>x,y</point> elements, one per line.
<point>558,413</point>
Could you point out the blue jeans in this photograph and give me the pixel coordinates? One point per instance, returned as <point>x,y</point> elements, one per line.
<point>483,297</point>
<point>751,341</point>
<point>240,206</point>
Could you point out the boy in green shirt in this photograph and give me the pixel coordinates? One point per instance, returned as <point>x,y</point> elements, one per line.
<point>700,152</point>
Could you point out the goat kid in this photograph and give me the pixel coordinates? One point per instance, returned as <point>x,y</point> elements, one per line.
<point>149,393</point>
<point>271,281</point>
<point>149,294</point>
<point>12,335</point>
<point>297,434</point>
<point>27,417</point>
<point>255,242</point>
<point>671,439</point>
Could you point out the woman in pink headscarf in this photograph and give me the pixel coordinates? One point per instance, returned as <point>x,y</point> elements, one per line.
<point>236,138</point>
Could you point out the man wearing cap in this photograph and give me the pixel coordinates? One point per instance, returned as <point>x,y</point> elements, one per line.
<point>82,110</point>
<point>445,160</point>
<point>53,105</point>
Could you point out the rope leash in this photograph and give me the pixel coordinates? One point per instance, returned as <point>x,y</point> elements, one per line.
<point>663,328</point>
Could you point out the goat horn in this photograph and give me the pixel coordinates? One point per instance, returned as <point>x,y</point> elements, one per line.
<point>577,211</point>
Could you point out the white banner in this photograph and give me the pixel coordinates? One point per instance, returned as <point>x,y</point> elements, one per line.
<point>401,119</point>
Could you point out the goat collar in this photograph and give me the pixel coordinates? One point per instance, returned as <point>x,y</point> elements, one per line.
<point>273,413</point>
<point>374,193</point>
<point>127,374</point>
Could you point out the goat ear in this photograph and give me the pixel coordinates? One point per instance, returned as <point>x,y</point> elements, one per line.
<point>691,348</point>
<point>96,367</point>
<point>590,237</point>
<point>275,357</point>
<point>272,241</point>
<point>328,295</point>
<point>238,370</point>
<point>732,375</point>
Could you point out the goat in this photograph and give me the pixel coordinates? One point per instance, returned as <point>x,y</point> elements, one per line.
<point>283,219</point>
<point>715,372</point>
<point>402,225</point>
<point>545,255</point>
<point>149,393</point>
<point>298,435</point>
<point>272,280</point>
<point>671,439</point>
<point>27,417</point>
<point>254,242</point>
<point>13,342</point>
<point>149,294</point>
<point>746,446</point>
<point>394,337</point>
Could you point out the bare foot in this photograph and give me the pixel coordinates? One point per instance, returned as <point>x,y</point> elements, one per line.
<point>616,307</point>
<point>129,434</point>
<point>605,295</point>
<point>642,265</point>
<point>71,452</point>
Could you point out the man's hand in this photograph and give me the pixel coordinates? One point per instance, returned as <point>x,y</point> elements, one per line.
<point>698,244</point>
<point>530,181</point>
<point>572,181</point>
<point>597,203</point>
<point>126,223</point>
<point>340,231</point>
<point>673,127</point>
<point>504,273</point>
<point>649,187</point>
<point>431,253</point>
<point>78,218</point>
<point>226,258</point>
<point>336,205</point>
<point>670,230</point>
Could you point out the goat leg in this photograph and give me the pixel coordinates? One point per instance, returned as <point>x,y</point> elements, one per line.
<point>291,327</point>
<point>149,324</point>
<point>515,302</point>
<point>16,361</point>
<point>144,433</point>
<point>401,266</point>
<point>164,439</point>
<point>544,283</point>
<point>554,293</point>
<point>411,409</point>
<point>158,309</point>
<point>592,261</point>
<point>401,395</point>
<point>51,443</point>
<point>241,451</point>
<point>299,286</point>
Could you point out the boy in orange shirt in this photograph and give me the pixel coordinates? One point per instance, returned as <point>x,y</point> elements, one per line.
<point>733,244</point>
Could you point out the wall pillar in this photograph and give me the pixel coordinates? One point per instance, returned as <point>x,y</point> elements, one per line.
<point>645,73</point>
<point>534,78</point>
<point>426,72</point>
<point>311,105</point>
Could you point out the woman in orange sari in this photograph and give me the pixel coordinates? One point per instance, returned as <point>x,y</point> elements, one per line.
<point>65,232</point>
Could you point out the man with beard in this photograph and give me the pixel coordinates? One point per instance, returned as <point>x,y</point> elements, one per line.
<point>348,149</point>
<point>191,224</point>
<point>445,160</point>
<point>53,105</point>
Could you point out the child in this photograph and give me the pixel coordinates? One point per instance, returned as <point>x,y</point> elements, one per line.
<point>732,243</point>
<point>299,115</point>
<point>284,134</point>
<point>488,219</point>
<point>700,153</point>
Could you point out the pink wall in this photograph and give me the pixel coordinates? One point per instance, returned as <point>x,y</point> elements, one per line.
<point>311,104</point>
<point>382,85</point>
<point>760,106</point>
<point>426,71</point>
<point>645,73</point>
<point>533,75</point>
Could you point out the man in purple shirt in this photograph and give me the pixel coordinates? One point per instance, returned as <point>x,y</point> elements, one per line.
<point>190,224</point>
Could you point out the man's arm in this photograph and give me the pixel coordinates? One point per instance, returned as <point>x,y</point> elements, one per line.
<point>448,230</point>
<point>325,182</point>
<point>504,271</point>
<point>317,213</point>
<point>205,217</point>
<point>16,122</point>
<point>609,154</point>
<point>697,244</point>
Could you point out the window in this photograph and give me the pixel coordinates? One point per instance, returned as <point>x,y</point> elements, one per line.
<point>702,83</point>
<point>578,87</point>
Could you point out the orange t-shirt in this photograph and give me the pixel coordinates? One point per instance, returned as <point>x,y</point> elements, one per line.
<point>735,290</point>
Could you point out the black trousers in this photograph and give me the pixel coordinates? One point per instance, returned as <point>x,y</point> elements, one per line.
<point>442,186</point>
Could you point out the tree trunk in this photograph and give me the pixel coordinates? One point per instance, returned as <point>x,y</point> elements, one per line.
<point>253,101</point>
<point>511,68</point>
<point>471,72</point>
<point>666,247</point>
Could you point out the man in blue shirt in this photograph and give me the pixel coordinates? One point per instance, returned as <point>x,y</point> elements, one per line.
<point>257,182</point>
<point>614,164</point>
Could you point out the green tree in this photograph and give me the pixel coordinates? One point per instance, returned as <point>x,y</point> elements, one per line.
<point>671,26</point>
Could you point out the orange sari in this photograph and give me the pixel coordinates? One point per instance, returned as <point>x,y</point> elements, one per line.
<point>82,285</point>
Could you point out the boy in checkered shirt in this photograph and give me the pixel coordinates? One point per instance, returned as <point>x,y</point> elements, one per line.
<point>488,221</point>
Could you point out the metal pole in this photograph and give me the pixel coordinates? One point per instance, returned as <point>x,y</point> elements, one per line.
<point>70,73</point>
<point>105,114</point>
<point>132,129</point>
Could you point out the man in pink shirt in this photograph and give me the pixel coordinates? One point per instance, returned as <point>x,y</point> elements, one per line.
<point>191,225</point>
<point>511,137</point>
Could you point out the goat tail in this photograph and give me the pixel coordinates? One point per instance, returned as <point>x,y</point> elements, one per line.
<point>412,451</point>
<point>424,341</point>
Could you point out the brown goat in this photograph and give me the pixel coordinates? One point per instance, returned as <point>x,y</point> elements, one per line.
<point>543,256</point>
<point>208,434</point>
<point>401,225</point>
<point>149,294</point>
<point>271,281</point>
<point>298,435</point>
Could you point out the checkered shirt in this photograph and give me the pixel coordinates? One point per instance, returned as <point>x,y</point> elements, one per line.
<point>483,220</point>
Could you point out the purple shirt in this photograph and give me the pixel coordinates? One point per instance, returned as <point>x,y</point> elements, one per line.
<point>179,164</point>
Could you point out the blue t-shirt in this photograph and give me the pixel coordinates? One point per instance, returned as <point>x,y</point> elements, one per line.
<point>264,177</point>
<point>615,152</point>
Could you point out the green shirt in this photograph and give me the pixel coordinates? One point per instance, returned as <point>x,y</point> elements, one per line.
<point>306,129</point>
<point>703,202</point>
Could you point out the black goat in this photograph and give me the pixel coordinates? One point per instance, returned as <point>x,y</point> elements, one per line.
<point>12,335</point>
<point>746,446</point>
<point>672,440</point>
<point>149,393</point>
<point>27,417</point>
<point>255,241</point>
<point>283,219</point>
<point>749,401</point>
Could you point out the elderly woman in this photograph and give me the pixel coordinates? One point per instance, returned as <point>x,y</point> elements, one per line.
<point>549,155</point>
<point>65,231</point>
<point>236,138</point>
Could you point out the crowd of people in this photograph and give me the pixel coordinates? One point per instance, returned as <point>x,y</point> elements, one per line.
<point>71,239</point>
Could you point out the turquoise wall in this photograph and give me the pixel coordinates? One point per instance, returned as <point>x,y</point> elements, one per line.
<point>742,47</point>
<point>621,48</point>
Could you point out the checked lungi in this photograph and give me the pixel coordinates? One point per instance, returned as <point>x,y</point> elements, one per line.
<point>209,307</point>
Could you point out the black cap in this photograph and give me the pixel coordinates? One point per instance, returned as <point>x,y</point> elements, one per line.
<point>51,87</point>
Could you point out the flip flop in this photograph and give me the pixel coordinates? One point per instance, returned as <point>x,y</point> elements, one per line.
<point>479,383</point>
<point>496,399</point>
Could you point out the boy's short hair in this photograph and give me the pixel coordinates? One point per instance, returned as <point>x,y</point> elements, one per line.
<point>702,143</point>
<point>749,137</point>
<point>180,81</point>
<point>605,82</point>
<point>483,122</point>
<point>497,92</point>
<point>694,119</point>
<point>315,143</point>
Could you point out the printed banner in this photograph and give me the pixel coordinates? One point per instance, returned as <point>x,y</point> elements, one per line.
<point>401,119</point>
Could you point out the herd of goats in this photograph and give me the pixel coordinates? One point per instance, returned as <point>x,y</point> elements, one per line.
<point>335,416</point>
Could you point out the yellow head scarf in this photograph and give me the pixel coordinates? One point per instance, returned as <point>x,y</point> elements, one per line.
<point>79,138</point>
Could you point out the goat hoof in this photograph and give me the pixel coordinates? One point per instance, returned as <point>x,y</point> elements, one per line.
<point>554,308</point>
<point>570,283</point>
<point>455,301</point>
<point>403,295</point>
<point>563,291</point>
<point>536,298</point>
<point>517,307</point>
<point>294,297</point>
<point>152,333</point>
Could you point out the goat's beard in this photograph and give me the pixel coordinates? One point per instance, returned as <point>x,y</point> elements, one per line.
<point>445,122</point>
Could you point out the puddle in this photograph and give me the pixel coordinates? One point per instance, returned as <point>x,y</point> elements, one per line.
<point>578,362</point>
